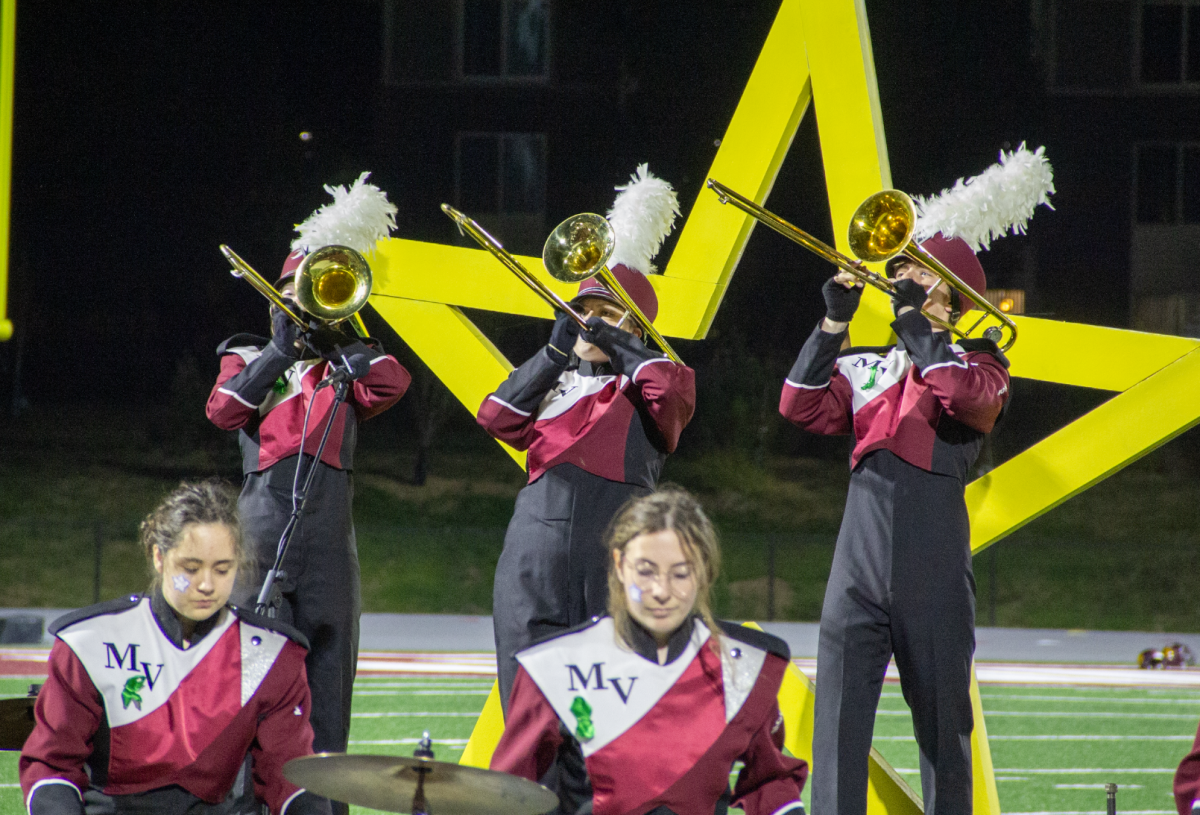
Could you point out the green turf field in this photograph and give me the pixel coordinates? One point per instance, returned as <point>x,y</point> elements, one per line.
<point>1053,747</point>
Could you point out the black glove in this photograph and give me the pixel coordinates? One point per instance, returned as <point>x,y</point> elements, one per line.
<point>327,342</point>
<point>841,302</point>
<point>908,293</point>
<point>284,333</point>
<point>602,335</point>
<point>562,337</point>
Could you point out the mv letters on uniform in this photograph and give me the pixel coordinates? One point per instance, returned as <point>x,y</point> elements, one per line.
<point>597,671</point>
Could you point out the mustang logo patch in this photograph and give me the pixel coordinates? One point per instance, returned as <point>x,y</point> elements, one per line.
<point>130,692</point>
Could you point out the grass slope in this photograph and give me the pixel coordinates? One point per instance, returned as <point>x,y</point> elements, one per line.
<point>1108,559</point>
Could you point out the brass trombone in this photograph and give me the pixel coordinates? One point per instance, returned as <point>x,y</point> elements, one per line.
<point>332,284</point>
<point>881,228</point>
<point>577,249</point>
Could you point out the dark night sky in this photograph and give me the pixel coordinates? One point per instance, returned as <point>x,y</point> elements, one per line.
<point>147,133</point>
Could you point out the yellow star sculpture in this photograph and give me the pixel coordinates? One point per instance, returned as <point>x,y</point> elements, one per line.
<point>818,52</point>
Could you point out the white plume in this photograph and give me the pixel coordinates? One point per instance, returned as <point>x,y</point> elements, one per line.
<point>642,216</point>
<point>1001,198</point>
<point>358,217</point>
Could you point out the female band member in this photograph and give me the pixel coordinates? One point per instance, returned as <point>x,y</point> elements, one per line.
<point>161,696</point>
<point>662,698</point>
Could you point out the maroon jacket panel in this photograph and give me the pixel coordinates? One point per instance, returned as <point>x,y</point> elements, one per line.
<point>272,726</point>
<point>1187,779</point>
<point>264,394</point>
<point>927,401</point>
<point>619,427</point>
<point>626,782</point>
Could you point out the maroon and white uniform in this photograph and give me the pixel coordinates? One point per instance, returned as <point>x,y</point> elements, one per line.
<point>596,436</point>
<point>1187,781</point>
<point>901,581</point>
<point>657,738</point>
<point>161,727</point>
<point>263,394</point>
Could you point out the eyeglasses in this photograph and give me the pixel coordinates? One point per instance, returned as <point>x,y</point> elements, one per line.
<point>678,580</point>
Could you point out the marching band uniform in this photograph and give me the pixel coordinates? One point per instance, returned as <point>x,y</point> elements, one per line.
<point>657,738</point>
<point>596,435</point>
<point>263,394</point>
<point>263,391</point>
<point>162,727</point>
<point>901,578</point>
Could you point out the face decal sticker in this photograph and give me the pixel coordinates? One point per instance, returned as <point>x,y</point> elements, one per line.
<point>635,593</point>
<point>181,583</point>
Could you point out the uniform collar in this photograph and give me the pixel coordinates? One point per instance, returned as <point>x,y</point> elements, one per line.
<point>169,624</point>
<point>595,369</point>
<point>643,643</point>
<point>940,336</point>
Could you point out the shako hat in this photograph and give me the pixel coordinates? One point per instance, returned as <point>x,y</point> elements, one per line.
<point>958,222</point>
<point>642,216</point>
<point>358,217</point>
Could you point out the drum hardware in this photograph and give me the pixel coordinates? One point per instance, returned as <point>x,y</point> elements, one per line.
<point>418,785</point>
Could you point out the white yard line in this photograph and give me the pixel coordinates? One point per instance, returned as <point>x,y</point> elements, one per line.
<point>1094,786</point>
<point>480,692</point>
<point>1061,714</point>
<point>412,714</point>
<point>993,737</point>
<point>1096,812</point>
<point>1123,700</point>
<point>444,742</point>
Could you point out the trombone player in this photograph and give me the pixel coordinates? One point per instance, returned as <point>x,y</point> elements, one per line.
<point>266,390</point>
<point>901,583</point>
<point>598,413</point>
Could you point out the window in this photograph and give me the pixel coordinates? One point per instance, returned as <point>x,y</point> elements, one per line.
<point>1167,183</point>
<point>1169,42</point>
<point>504,39</point>
<point>501,172</point>
<point>1091,45</point>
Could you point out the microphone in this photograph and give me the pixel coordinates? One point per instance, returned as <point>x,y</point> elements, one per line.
<point>357,366</point>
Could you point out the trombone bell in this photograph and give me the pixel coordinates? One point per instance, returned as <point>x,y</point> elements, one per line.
<point>882,226</point>
<point>579,247</point>
<point>333,283</point>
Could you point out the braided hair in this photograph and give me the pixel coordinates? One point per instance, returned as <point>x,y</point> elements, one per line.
<point>193,502</point>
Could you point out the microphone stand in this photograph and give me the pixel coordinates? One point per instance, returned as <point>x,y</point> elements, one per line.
<point>270,597</point>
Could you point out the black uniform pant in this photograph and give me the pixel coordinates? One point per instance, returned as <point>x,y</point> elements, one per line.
<point>321,594</point>
<point>553,572</point>
<point>553,575</point>
<point>901,584</point>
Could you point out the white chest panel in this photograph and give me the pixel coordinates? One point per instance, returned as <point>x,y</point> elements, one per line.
<point>571,389</point>
<point>871,375</point>
<point>132,663</point>
<point>292,378</point>
<point>618,687</point>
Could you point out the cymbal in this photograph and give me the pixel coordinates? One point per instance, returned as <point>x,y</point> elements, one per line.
<point>388,783</point>
<point>16,722</point>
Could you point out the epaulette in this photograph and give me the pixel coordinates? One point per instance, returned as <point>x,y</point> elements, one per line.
<point>99,609</point>
<point>271,624</point>
<point>756,638</point>
<point>976,345</point>
<point>575,629</point>
<point>242,341</point>
<point>881,350</point>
